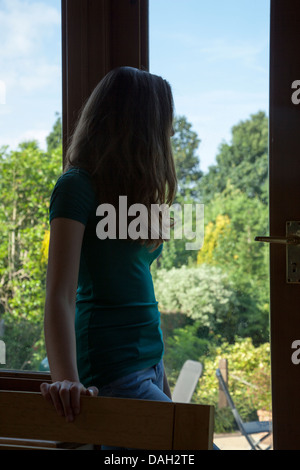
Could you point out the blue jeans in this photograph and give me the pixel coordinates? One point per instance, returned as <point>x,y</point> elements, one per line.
<point>146,384</point>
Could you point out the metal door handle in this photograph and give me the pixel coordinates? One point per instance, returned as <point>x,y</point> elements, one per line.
<point>292,242</point>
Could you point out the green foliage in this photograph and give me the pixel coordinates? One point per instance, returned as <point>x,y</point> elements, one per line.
<point>27,177</point>
<point>204,294</point>
<point>54,139</point>
<point>249,380</point>
<point>185,143</point>
<point>249,373</point>
<point>183,344</point>
<point>243,162</point>
<point>25,346</point>
<point>247,263</point>
<point>214,304</point>
<point>215,232</point>
<point>225,289</point>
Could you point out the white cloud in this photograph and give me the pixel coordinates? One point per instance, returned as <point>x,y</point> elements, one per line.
<point>22,23</point>
<point>34,134</point>
<point>26,29</point>
<point>45,75</point>
<point>30,69</point>
<point>247,54</point>
<point>38,135</point>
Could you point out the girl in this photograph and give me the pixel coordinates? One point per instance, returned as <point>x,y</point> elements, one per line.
<point>102,323</point>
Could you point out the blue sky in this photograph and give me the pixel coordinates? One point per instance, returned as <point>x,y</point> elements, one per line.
<point>214,54</point>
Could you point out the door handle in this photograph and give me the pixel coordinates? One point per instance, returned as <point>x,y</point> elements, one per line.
<point>292,242</point>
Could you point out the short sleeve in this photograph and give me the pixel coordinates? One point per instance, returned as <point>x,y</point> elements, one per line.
<point>73,196</point>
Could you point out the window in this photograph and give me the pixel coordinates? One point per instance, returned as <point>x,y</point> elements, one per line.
<point>215,301</point>
<point>30,162</point>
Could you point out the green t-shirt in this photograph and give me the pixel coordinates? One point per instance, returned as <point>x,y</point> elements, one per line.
<point>117,319</point>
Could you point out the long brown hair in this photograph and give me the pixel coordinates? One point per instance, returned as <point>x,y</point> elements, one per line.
<point>123,139</point>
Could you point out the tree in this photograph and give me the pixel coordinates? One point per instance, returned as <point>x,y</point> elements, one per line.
<point>185,143</point>
<point>243,163</point>
<point>27,177</point>
<point>232,221</point>
<point>215,232</point>
<point>54,139</point>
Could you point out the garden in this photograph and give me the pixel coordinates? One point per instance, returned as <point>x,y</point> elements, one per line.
<point>214,302</point>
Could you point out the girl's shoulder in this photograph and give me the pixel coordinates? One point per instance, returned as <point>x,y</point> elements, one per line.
<point>75,180</point>
<point>73,195</point>
<point>75,175</point>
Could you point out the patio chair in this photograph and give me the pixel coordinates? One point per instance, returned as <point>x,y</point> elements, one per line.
<point>187,381</point>
<point>249,428</point>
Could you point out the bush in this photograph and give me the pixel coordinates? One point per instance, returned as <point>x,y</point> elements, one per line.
<point>249,380</point>
<point>25,347</point>
<point>184,344</point>
<point>249,373</point>
<point>203,294</point>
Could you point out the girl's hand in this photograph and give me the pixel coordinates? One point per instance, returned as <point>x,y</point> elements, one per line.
<point>65,396</point>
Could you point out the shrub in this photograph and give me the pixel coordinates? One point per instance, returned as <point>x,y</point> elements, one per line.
<point>248,380</point>
<point>204,294</point>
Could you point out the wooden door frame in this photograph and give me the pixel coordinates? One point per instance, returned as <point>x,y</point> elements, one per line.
<point>284,169</point>
<point>98,35</point>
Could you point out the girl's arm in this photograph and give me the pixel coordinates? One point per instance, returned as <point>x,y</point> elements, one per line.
<point>62,276</point>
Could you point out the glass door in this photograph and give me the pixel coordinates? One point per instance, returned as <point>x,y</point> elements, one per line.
<point>215,300</point>
<point>30,162</point>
